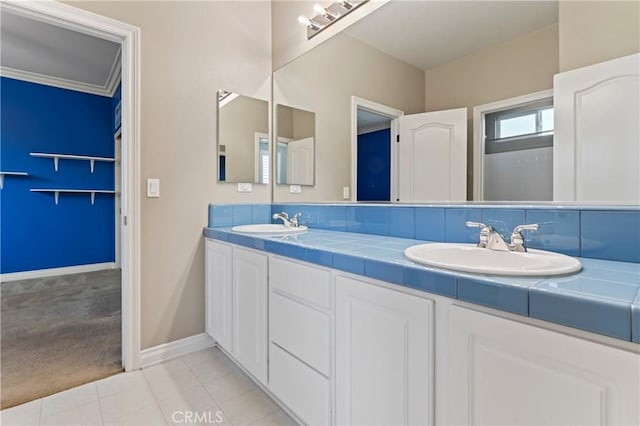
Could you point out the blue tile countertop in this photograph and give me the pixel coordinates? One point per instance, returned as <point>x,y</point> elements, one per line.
<point>603,298</point>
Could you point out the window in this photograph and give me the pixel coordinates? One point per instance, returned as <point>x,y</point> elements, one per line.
<point>263,161</point>
<point>523,127</point>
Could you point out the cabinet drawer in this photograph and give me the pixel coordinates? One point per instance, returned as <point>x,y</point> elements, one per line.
<point>300,388</point>
<point>300,330</point>
<point>305,282</point>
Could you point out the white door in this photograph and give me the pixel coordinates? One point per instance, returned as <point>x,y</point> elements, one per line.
<point>596,147</point>
<point>300,162</point>
<point>432,156</point>
<point>250,311</point>
<point>218,297</point>
<point>384,358</point>
<point>502,372</point>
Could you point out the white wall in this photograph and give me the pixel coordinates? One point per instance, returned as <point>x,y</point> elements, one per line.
<point>323,81</point>
<point>189,51</point>
<point>597,31</point>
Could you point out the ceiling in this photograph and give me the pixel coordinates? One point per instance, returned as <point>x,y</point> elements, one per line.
<point>431,33</point>
<point>370,121</point>
<point>35,51</point>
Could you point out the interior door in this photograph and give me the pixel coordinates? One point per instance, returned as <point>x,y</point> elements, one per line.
<point>596,149</point>
<point>432,156</point>
<point>300,162</point>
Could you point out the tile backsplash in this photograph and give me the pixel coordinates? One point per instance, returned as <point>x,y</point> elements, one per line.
<point>576,231</point>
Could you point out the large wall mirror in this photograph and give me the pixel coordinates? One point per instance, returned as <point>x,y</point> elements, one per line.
<point>243,139</point>
<point>295,146</point>
<point>400,95</point>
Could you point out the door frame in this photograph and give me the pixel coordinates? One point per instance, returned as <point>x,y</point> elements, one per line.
<point>393,114</point>
<point>479,131</point>
<point>79,20</point>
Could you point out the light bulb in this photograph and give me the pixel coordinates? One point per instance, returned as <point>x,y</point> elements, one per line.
<point>319,9</point>
<point>303,20</point>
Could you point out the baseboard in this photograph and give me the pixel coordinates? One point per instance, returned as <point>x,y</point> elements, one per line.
<point>52,272</point>
<point>167,351</point>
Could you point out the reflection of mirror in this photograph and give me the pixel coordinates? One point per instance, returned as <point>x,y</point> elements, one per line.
<point>295,159</point>
<point>243,138</point>
<point>450,57</point>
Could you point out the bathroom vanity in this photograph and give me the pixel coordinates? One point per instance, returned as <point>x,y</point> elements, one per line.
<point>344,338</point>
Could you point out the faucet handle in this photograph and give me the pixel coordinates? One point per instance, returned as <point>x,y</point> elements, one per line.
<point>279,215</point>
<point>295,221</point>
<point>485,232</point>
<point>476,225</point>
<point>517,239</point>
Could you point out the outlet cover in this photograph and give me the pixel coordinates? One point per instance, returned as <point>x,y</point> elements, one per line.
<point>245,187</point>
<point>295,189</point>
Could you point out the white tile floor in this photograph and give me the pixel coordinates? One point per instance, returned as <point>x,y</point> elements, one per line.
<point>200,388</point>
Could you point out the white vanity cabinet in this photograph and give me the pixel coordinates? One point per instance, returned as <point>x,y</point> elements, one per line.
<point>384,355</point>
<point>505,372</point>
<point>218,292</point>
<point>236,300</point>
<point>300,335</point>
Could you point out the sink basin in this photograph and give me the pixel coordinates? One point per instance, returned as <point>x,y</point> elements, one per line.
<point>269,229</point>
<point>470,258</point>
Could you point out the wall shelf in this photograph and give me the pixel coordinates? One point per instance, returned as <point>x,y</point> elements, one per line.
<point>3,174</point>
<point>57,157</point>
<point>57,192</point>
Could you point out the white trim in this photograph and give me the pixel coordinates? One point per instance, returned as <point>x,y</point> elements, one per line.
<point>478,130</point>
<point>53,272</point>
<point>357,102</point>
<point>40,14</point>
<point>128,36</point>
<point>175,349</point>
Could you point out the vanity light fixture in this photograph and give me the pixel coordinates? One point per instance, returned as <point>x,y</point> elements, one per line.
<point>328,15</point>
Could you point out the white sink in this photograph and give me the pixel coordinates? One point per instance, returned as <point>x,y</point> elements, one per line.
<point>269,229</point>
<point>470,258</point>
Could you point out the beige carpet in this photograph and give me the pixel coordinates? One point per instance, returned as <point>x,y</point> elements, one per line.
<point>58,333</point>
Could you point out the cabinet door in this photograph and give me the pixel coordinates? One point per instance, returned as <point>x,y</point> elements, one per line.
<point>384,358</point>
<point>250,311</point>
<point>505,372</point>
<point>218,292</point>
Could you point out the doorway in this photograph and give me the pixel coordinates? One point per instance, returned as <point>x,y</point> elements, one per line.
<point>374,175</point>
<point>128,37</point>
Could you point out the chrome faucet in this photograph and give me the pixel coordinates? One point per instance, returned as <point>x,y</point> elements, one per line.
<point>284,217</point>
<point>294,222</point>
<point>517,240</point>
<point>491,239</point>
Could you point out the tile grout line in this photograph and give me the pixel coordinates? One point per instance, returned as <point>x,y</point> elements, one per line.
<point>153,394</point>
<point>215,401</point>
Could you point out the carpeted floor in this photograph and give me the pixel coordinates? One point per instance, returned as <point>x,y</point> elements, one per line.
<point>58,333</point>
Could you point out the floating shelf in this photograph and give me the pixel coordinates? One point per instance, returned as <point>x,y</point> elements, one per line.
<point>3,174</point>
<point>56,192</point>
<point>57,157</point>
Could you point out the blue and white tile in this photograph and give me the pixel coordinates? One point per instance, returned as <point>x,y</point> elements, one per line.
<point>456,230</point>
<point>611,235</point>
<point>559,231</point>
<point>430,224</point>
<point>401,222</point>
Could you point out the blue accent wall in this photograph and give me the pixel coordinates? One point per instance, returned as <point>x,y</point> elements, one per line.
<point>374,166</point>
<point>35,233</point>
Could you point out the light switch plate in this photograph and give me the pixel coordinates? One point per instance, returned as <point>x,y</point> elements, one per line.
<point>295,189</point>
<point>345,193</point>
<point>245,187</point>
<point>153,188</point>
